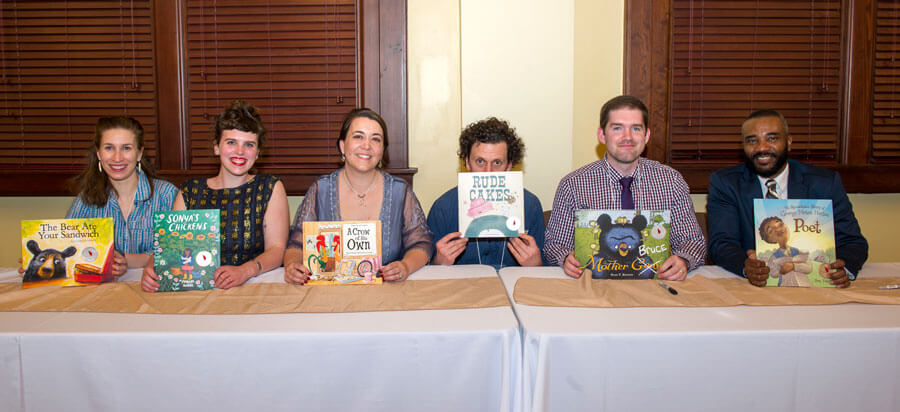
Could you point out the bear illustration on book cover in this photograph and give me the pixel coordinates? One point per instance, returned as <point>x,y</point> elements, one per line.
<point>795,237</point>
<point>186,247</point>
<point>338,253</point>
<point>491,204</point>
<point>622,244</point>
<point>67,252</point>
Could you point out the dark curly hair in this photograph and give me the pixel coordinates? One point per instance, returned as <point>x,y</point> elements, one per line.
<point>243,116</point>
<point>492,130</point>
<point>762,227</point>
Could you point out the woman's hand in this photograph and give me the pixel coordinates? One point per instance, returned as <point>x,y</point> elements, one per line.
<point>396,271</point>
<point>227,277</point>
<point>149,279</point>
<point>296,273</point>
<point>119,263</point>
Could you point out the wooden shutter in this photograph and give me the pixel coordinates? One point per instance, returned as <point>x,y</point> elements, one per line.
<point>64,64</point>
<point>730,58</point>
<point>294,60</point>
<point>886,96</point>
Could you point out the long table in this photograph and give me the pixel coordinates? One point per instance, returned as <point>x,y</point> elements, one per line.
<point>437,360</point>
<point>778,358</point>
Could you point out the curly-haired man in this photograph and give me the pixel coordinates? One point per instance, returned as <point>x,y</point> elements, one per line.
<point>489,145</point>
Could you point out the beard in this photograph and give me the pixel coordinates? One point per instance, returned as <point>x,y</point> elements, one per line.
<point>780,160</point>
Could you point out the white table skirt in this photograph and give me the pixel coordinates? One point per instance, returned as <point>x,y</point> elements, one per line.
<point>778,358</point>
<point>444,360</point>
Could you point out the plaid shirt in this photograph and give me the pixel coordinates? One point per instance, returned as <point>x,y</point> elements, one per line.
<point>596,186</point>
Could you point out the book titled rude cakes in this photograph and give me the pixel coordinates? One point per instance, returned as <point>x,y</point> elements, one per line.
<point>67,251</point>
<point>491,204</point>
<point>795,237</point>
<point>622,244</point>
<point>342,253</point>
<point>186,247</point>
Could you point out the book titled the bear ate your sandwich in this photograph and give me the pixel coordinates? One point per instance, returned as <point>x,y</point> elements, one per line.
<point>622,244</point>
<point>67,252</point>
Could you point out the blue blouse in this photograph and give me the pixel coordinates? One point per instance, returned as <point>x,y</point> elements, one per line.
<point>136,234</point>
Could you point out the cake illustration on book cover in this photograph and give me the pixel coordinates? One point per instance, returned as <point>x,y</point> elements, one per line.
<point>186,247</point>
<point>67,252</point>
<point>795,237</point>
<point>622,244</point>
<point>338,253</point>
<point>491,204</point>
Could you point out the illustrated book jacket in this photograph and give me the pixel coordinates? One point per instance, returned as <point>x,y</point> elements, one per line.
<point>491,204</point>
<point>622,244</point>
<point>186,249</point>
<point>795,237</point>
<point>342,253</point>
<point>67,252</point>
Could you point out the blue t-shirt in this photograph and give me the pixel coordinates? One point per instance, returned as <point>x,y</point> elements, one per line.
<point>443,218</point>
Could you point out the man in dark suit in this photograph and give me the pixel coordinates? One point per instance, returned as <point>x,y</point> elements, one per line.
<point>768,170</point>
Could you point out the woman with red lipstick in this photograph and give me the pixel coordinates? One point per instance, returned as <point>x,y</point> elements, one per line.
<point>254,217</point>
<point>119,182</point>
<point>362,191</point>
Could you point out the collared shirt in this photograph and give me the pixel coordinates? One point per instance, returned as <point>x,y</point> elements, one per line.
<point>136,234</point>
<point>596,186</point>
<point>781,183</point>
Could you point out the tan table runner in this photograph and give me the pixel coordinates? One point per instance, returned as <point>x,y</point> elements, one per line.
<point>127,297</point>
<point>695,291</point>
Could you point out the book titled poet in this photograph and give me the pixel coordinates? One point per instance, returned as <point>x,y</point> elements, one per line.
<point>622,244</point>
<point>491,204</point>
<point>795,237</point>
<point>342,253</point>
<point>186,247</point>
<point>67,251</point>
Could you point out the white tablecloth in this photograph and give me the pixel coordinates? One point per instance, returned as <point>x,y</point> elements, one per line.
<point>775,358</point>
<point>436,360</point>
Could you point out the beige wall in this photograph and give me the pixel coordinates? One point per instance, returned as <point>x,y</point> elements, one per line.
<point>546,66</point>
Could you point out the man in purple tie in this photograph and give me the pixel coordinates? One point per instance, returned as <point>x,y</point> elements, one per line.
<point>625,180</point>
<point>768,173</point>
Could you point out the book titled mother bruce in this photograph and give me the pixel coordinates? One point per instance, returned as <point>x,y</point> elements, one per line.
<point>186,247</point>
<point>622,244</point>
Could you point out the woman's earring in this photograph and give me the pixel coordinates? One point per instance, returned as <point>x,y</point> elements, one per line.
<point>100,167</point>
<point>139,167</point>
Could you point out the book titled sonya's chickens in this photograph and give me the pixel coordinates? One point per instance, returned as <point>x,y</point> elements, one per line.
<point>622,244</point>
<point>186,249</point>
<point>67,251</point>
<point>795,237</point>
<point>342,253</point>
<point>491,204</point>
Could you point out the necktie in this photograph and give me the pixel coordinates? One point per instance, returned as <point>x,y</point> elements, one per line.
<point>771,193</point>
<point>627,200</point>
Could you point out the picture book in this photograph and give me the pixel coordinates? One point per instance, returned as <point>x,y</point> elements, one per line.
<point>491,204</point>
<point>795,237</point>
<point>622,244</point>
<point>340,253</point>
<point>67,252</point>
<point>186,247</point>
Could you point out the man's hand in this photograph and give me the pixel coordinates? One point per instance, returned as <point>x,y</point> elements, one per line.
<point>755,270</point>
<point>525,250</point>
<point>571,266</point>
<point>449,248</point>
<point>835,271</point>
<point>673,268</point>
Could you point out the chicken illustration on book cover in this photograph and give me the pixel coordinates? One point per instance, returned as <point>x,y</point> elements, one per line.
<point>622,244</point>
<point>339,253</point>
<point>491,204</point>
<point>795,237</point>
<point>186,247</point>
<point>67,252</point>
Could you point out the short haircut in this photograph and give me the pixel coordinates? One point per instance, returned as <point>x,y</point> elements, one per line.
<point>492,131</point>
<point>240,115</point>
<point>762,227</point>
<point>623,102</point>
<point>767,113</point>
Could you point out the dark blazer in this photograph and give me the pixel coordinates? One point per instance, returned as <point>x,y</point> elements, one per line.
<point>729,210</point>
